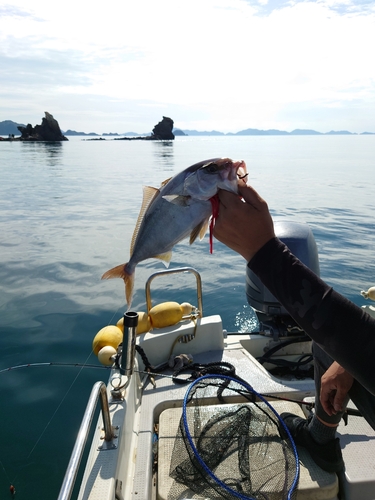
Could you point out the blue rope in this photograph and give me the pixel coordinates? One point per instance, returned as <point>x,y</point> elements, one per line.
<point>201,461</point>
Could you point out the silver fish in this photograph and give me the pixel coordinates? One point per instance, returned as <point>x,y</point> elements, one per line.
<point>179,208</point>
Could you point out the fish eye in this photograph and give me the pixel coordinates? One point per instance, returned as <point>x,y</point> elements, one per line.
<point>211,168</point>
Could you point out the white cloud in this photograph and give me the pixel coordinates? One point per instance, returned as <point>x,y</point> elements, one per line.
<point>216,56</point>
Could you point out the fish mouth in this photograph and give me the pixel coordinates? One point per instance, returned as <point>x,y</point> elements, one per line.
<point>236,169</point>
<point>212,175</point>
<point>233,173</point>
<point>241,171</point>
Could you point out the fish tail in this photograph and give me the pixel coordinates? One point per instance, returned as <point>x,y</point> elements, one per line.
<point>122,271</point>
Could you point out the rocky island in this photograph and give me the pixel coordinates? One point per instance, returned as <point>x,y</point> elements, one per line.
<point>161,132</point>
<point>49,130</point>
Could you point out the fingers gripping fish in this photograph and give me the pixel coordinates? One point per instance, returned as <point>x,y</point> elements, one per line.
<point>180,208</point>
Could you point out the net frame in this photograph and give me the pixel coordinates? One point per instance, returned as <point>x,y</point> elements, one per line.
<point>254,395</point>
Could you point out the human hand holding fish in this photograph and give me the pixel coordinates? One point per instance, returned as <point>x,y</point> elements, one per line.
<point>181,207</point>
<point>243,224</point>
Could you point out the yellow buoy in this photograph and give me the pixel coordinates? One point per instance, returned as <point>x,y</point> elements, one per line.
<point>165,314</point>
<point>144,323</point>
<point>161,315</point>
<point>370,294</point>
<point>105,355</point>
<point>186,308</point>
<point>120,324</point>
<point>108,336</point>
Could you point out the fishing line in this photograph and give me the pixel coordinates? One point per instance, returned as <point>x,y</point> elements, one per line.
<point>53,363</point>
<point>38,365</point>
<point>309,404</point>
<point>114,314</point>
<point>56,410</point>
<point>271,396</point>
<point>5,472</point>
<point>56,363</point>
<point>143,372</point>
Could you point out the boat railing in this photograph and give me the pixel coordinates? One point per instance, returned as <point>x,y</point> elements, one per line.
<point>99,391</point>
<point>175,271</point>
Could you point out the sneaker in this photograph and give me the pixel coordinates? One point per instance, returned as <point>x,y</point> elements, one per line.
<point>328,455</point>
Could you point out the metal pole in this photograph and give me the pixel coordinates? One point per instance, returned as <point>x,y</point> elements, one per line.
<point>128,342</point>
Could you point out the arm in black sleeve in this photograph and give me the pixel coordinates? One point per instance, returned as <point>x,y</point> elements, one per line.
<point>346,332</point>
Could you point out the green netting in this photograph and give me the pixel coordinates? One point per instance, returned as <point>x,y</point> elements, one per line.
<point>230,446</point>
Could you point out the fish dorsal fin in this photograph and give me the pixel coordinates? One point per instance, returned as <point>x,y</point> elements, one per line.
<point>165,182</point>
<point>149,193</point>
<point>200,230</point>
<point>165,257</point>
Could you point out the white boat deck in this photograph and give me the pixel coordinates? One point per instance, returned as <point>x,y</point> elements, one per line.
<point>132,461</point>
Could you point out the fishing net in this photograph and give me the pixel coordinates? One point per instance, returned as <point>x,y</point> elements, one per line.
<point>231,443</point>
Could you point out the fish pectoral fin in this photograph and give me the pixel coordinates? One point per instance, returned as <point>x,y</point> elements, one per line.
<point>177,199</point>
<point>204,228</point>
<point>165,257</point>
<point>115,272</point>
<point>199,230</point>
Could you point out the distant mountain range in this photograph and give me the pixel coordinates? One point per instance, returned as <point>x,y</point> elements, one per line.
<point>9,127</point>
<point>255,131</point>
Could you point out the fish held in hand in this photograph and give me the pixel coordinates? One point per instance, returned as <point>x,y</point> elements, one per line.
<point>180,208</point>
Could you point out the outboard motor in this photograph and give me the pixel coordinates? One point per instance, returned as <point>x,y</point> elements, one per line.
<point>299,238</point>
<point>287,351</point>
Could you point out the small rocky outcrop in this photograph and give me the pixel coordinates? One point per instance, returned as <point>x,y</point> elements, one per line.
<point>49,130</point>
<point>163,130</point>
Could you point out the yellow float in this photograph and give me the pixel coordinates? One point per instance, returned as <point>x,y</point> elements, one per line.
<point>105,355</point>
<point>107,340</point>
<point>160,316</point>
<point>370,294</point>
<point>144,323</point>
<point>110,335</point>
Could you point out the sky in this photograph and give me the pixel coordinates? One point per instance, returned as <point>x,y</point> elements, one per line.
<point>224,65</point>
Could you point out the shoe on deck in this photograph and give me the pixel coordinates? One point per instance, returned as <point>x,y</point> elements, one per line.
<point>328,455</point>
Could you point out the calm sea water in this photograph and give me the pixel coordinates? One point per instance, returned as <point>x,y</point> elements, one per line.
<point>67,213</point>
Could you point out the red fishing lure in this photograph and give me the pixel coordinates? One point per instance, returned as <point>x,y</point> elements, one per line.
<point>215,212</point>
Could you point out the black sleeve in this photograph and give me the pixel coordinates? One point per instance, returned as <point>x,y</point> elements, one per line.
<point>346,332</point>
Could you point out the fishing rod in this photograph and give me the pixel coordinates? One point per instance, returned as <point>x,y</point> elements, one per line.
<point>53,363</point>
<point>308,404</point>
<point>12,488</point>
<point>143,372</point>
<point>150,372</point>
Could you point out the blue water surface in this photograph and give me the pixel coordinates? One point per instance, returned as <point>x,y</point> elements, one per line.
<point>67,214</point>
